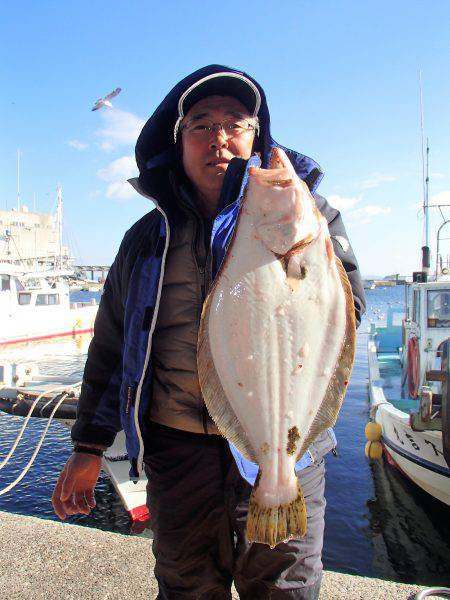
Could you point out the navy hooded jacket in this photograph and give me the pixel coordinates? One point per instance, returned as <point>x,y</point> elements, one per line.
<point>116,389</point>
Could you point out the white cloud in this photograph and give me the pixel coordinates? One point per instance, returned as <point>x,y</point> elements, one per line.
<point>365,214</point>
<point>375,180</point>
<point>116,174</point>
<point>121,168</point>
<point>78,145</point>
<point>121,128</point>
<point>106,146</point>
<point>359,216</point>
<point>342,203</point>
<point>440,198</point>
<point>120,190</point>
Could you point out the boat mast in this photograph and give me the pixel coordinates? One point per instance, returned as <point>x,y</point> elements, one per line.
<point>426,248</point>
<point>59,223</point>
<point>18,179</point>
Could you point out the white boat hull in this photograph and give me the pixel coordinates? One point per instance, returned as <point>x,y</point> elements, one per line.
<point>418,454</point>
<point>117,465</point>
<point>48,324</point>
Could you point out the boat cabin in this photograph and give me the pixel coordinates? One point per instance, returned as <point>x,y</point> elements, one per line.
<point>427,319</point>
<point>30,291</point>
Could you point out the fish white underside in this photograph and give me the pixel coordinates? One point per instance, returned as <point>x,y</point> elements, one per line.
<point>274,347</point>
<point>270,345</point>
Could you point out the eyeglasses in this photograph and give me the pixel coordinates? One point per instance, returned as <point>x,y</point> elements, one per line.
<point>203,128</point>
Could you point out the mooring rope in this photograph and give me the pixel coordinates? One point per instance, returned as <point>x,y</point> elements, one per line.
<point>65,394</point>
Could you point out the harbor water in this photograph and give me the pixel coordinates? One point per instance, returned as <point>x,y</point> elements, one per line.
<point>378,524</point>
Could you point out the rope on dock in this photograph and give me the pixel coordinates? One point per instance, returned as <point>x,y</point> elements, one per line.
<point>66,393</point>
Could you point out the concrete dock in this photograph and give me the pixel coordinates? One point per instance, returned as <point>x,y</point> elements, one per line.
<point>43,559</point>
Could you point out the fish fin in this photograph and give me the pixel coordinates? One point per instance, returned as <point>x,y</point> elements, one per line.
<point>213,394</point>
<point>327,414</point>
<point>276,524</point>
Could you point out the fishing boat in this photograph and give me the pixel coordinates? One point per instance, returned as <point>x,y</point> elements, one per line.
<point>409,377</point>
<point>36,306</point>
<point>414,418</point>
<point>35,274</point>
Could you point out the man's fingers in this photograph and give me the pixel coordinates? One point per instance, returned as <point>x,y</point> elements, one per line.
<point>70,506</point>
<point>279,158</point>
<point>56,498</point>
<point>67,488</point>
<point>57,507</point>
<point>275,159</point>
<point>90,498</point>
<point>81,504</point>
<point>269,173</point>
<point>272,176</point>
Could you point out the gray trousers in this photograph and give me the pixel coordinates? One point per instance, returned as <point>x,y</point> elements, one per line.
<point>198,504</point>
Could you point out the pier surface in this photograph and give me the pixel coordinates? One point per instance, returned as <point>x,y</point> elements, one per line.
<point>43,559</point>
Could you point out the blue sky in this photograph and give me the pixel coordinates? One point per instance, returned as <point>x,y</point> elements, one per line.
<point>341,79</point>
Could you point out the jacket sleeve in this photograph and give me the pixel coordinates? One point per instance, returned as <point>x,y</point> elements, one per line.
<point>98,411</point>
<point>344,252</point>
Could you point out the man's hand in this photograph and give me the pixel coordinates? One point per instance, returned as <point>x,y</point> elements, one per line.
<point>285,213</point>
<point>74,491</point>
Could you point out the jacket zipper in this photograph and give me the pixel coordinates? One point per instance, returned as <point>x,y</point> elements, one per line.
<point>137,400</point>
<point>201,270</point>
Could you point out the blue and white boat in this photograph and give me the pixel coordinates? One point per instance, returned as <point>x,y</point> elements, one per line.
<point>410,390</point>
<point>409,375</point>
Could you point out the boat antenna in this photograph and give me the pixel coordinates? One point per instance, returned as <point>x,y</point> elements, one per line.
<point>59,220</point>
<point>425,248</point>
<point>18,179</point>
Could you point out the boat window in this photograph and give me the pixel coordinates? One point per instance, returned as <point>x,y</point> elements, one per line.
<point>438,303</point>
<point>416,306</point>
<point>24,298</point>
<point>5,283</point>
<point>32,283</point>
<point>47,299</point>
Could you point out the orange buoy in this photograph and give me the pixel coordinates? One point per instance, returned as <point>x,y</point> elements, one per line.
<point>373,450</point>
<point>373,431</point>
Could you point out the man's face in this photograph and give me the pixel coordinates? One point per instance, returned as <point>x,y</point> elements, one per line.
<point>206,158</point>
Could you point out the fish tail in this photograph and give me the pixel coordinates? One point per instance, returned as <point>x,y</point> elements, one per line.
<point>275,524</point>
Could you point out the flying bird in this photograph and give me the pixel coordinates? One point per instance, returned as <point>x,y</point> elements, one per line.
<point>106,100</point>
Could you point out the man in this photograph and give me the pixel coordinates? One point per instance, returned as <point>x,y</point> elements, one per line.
<point>141,371</point>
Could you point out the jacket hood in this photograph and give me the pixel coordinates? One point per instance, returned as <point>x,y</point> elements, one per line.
<point>156,155</point>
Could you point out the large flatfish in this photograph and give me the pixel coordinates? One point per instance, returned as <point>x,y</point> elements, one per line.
<point>276,342</point>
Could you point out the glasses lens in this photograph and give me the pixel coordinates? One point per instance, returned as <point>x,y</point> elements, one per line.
<point>231,127</point>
